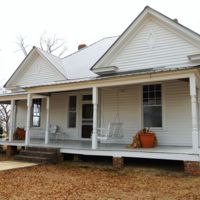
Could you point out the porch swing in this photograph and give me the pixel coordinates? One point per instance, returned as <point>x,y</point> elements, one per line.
<point>114,129</point>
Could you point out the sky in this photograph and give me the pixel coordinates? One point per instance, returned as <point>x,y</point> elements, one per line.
<point>77,22</point>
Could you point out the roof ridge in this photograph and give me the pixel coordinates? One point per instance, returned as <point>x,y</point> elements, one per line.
<point>47,52</point>
<point>88,46</point>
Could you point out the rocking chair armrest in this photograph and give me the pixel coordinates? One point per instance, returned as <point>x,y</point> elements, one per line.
<point>102,128</point>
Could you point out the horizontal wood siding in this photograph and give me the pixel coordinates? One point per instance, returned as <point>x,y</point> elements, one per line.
<point>38,71</point>
<point>59,114</point>
<point>21,113</point>
<point>127,102</point>
<point>124,101</point>
<point>163,48</point>
<point>177,114</point>
<point>177,127</point>
<point>21,116</point>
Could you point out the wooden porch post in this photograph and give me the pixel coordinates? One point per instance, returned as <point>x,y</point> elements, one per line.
<point>47,121</point>
<point>195,132</point>
<point>12,119</point>
<point>95,103</point>
<point>28,119</point>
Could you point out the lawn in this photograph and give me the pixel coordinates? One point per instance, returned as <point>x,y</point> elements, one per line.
<point>76,181</point>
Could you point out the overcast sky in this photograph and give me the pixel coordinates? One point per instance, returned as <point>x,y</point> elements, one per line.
<point>77,21</point>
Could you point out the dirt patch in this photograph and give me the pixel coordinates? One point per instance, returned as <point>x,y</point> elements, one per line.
<point>74,181</point>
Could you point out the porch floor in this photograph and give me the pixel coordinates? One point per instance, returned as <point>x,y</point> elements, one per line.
<point>113,149</point>
<point>87,145</point>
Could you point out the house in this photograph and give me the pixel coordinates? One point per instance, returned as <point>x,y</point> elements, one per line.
<point>147,77</point>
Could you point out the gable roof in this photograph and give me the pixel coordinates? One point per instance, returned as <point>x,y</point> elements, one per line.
<point>78,64</point>
<point>47,57</point>
<point>74,66</point>
<point>147,11</point>
<point>54,60</point>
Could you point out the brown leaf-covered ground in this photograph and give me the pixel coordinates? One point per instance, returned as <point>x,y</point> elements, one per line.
<point>74,181</point>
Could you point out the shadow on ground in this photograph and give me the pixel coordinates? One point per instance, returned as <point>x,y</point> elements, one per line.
<point>176,166</point>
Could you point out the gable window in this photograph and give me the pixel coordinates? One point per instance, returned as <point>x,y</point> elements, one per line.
<point>36,112</point>
<point>152,105</point>
<point>72,112</point>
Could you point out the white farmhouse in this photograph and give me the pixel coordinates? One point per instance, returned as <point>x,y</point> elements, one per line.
<point>94,101</point>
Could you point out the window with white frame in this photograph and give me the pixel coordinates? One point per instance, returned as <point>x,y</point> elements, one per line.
<point>72,112</point>
<point>152,105</point>
<point>36,112</point>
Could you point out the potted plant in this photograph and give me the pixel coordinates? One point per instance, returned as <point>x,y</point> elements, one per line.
<point>19,134</point>
<point>147,138</point>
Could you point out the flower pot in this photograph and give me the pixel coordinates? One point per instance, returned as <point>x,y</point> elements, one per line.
<point>147,140</point>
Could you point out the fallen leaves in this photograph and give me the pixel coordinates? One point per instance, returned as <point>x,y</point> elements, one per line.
<point>71,181</point>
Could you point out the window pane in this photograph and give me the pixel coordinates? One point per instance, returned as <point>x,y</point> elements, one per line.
<point>145,95</point>
<point>145,88</point>
<point>158,94</point>
<point>36,112</point>
<point>87,97</point>
<point>151,87</point>
<point>158,87</point>
<point>152,116</point>
<point>36,121</point>
<point>158,101</point>
<point>87,112</point>
<point>151,94</point>
<point>72,119</point>
<point>72,103</point>
<point>72,112</point>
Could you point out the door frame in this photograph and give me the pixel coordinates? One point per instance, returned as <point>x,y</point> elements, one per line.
<point>81,101</point>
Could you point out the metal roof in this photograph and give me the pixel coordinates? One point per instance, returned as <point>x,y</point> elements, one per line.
<point>125,74</point>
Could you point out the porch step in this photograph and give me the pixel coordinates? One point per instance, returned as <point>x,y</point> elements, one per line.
<point>38,155</point>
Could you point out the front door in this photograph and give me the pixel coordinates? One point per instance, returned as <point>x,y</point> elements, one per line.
<point>87,116</point>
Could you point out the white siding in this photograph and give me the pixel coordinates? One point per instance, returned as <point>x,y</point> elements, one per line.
<point>177,114</point>
<point>124,101</point>
<point>127,101</point>
<point>21,112</point>
<point>59,114</point>
<point>177,127</point>
<point>21,116</point>
<point>164,48</point>
<point>38,71</point>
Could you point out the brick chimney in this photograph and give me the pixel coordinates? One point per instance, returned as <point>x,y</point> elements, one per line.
<point>176,20</point>
<point>81,46</point>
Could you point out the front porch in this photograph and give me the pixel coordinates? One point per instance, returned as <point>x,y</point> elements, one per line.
<point>76,109</point>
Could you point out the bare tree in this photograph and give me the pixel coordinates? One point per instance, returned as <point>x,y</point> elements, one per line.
<point>50,44</point>
<point>21,44</point>
<point>5,116</point>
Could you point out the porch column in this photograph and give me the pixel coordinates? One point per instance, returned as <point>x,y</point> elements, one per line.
<point>95,103</point>
<point>28,119</point>
<point>12,119</point>
<point>47,121</point>
<point>195,132</point>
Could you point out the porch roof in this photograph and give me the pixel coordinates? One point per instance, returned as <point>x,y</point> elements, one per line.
<point>116,75</point>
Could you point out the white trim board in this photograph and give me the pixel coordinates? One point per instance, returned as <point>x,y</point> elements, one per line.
<point>166,156</point>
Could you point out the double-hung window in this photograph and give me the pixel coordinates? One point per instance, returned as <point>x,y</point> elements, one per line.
<point>36,112</point>
<point>152,105</point>
<point>72,112</point>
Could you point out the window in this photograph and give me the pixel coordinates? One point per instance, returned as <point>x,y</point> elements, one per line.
<point>36,112</point>
<point>152,105</point>
<point>87,97</point>
<point>72,112</point>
